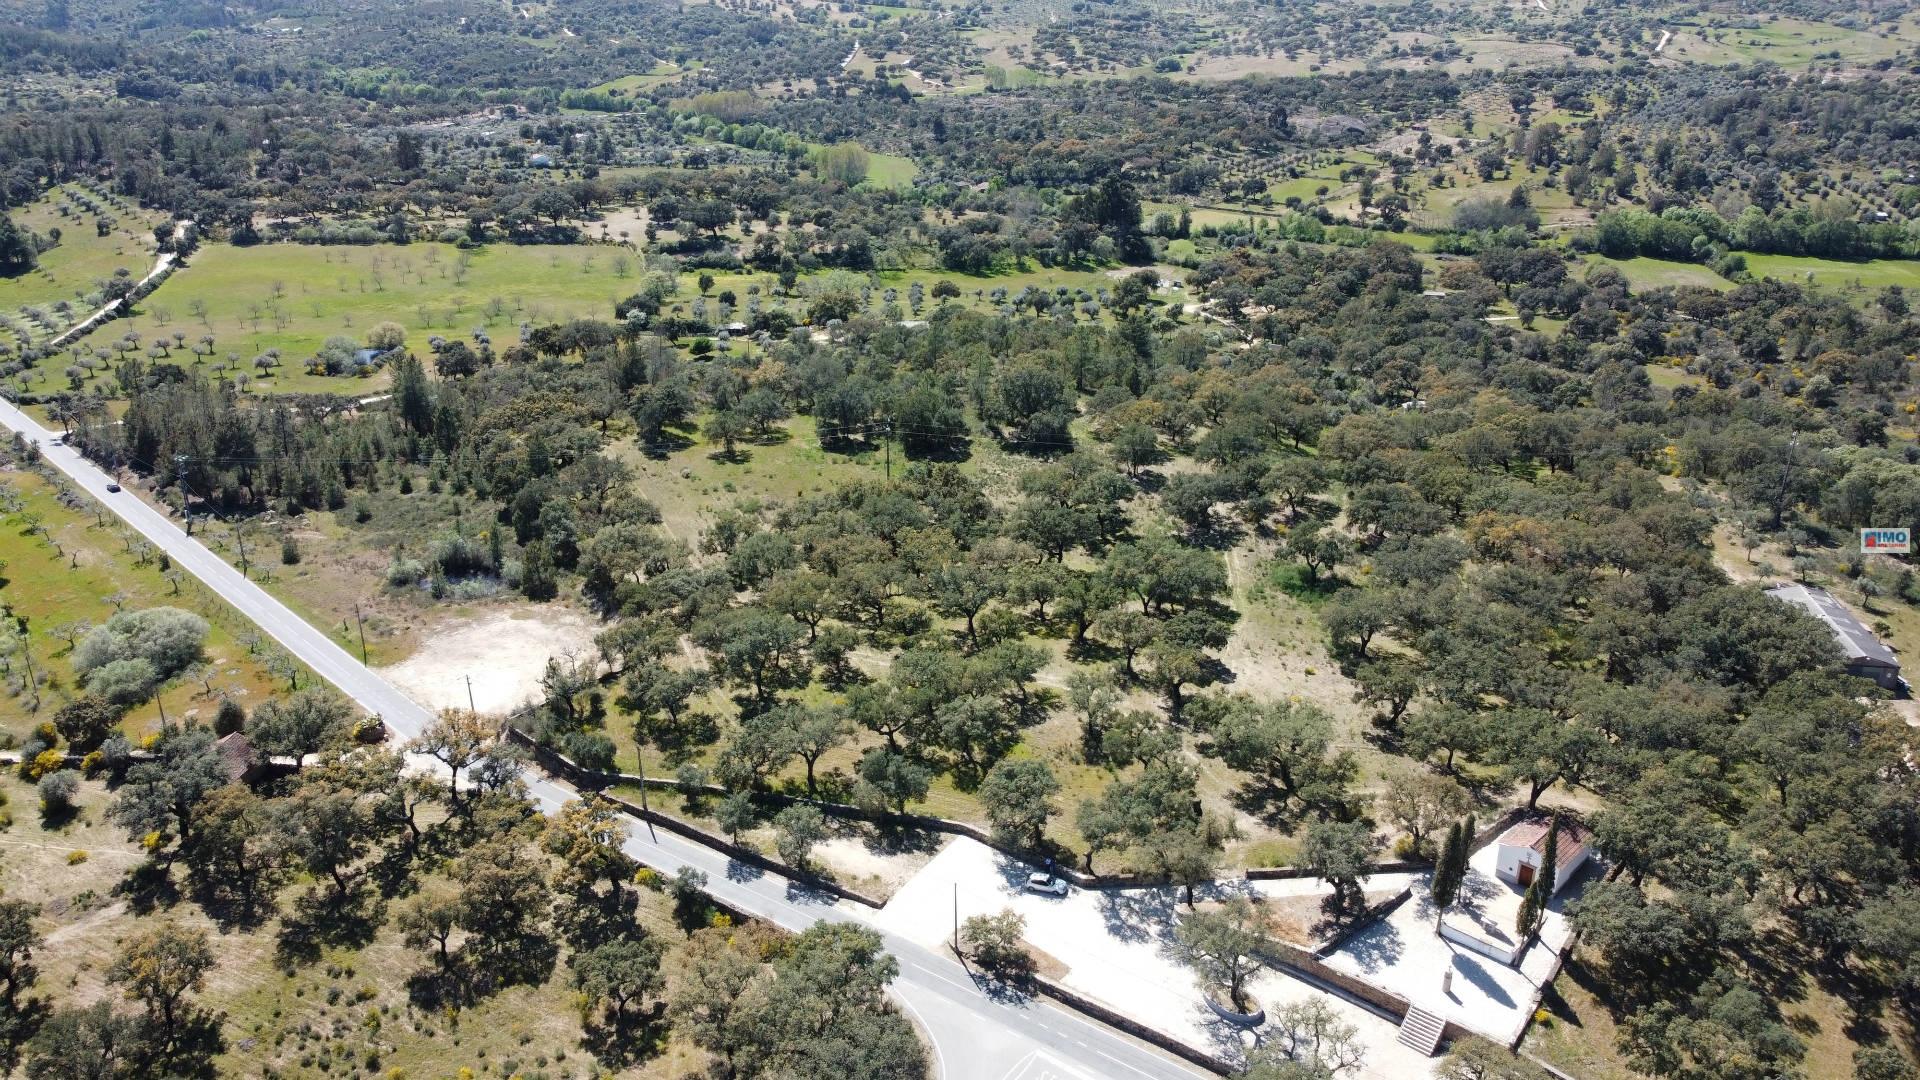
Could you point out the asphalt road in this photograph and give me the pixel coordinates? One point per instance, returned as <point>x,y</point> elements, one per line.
<point>975,1034</point>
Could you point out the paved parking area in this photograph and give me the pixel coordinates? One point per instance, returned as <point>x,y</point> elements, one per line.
<point>1114,944</point>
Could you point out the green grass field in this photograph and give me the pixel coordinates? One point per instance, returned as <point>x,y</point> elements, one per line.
<point>663,72</point>
<point>883,170</point>
<point>69,270</point>
<point>49,585</point>
<point>1786,42</point>
<point>1436,205</point>
<point>890,170</point>
<point>293,297</point>
<point>1873,274</point>
<point>1645,274</point>
<point>976,290</point>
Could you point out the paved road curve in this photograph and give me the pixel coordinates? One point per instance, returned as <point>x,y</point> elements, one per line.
<point>975,1036</point>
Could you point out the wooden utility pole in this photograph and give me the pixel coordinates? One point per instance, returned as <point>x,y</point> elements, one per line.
<point>646,815</point>
<point>363,640</point>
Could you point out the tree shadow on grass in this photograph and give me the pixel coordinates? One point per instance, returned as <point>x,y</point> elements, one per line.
<point>665,445</point>
<point>1213,535</point>
<point>237,902</point>
<point>318,920</point>
<point>1150,481</point>
<point>1558,1007</point>
<point>192,1044</point>
<point>57,816</point>
<point>884,840</point>
<point>1779,964</point>
<point>625,1042</point>
<point>1312,590</point>
<point>392,874</point>
<point>524,961</point>
<point>1263,800</point>
<point>149,887</point>
<point>1594,981</point>
<point>1090,650</point>
<point>432,990</point>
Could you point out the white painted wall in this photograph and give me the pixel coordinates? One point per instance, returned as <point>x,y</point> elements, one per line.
<point>1512,856</point>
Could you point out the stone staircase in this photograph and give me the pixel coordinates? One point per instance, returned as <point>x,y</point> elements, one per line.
<point>1422,1030</point>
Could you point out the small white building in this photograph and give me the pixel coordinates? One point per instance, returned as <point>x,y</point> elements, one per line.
<point>1522,848</point>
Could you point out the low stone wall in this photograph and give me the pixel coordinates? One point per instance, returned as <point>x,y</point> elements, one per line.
<point>1485,948</point>
<point>1372,915</point>
<point>1054,990</point>
<point>559,764</point>
<point>1303,963</point>
<point>741,853</point>
<point>1283,873</point>
<point>1140,1031</point>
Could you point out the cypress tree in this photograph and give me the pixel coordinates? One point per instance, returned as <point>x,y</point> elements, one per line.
<point>1448,872</point>
<point>1549,862</point>
<point>1533,906</point>
<point>1529,908</point>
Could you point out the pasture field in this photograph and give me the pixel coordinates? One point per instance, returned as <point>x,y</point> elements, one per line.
<point>70,270</point>
<point>883,170</point>
<point>890,170</point>
<point>293,297</point>
<point>1849,277</point>
<point>978,292</point>
<point>1643,274</point>
<point>1435,206</point>
<point>84,566</point>
<point>1783,41</point>
<point>663,72</point>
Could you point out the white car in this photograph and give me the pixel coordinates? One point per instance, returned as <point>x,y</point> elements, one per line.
<point>1047,883</point>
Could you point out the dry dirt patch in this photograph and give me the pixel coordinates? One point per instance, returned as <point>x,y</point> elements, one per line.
<point>873,865</point>
<point>503,652</point>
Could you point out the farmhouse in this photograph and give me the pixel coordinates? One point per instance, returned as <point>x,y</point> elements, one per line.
<point>1521,849</point>
<point>1866,656</point>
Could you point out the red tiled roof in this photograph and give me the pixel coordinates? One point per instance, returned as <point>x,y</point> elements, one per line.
<point>1574,837</point>
<point>237,754</point>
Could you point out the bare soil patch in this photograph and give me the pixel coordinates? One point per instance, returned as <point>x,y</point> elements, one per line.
<point>876,865</point>
<point>503,653</point>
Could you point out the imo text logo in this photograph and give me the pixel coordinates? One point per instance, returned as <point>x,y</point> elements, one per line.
<point>1886,541</point>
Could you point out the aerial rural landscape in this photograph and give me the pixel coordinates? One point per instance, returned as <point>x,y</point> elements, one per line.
<point>1029,540</point>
